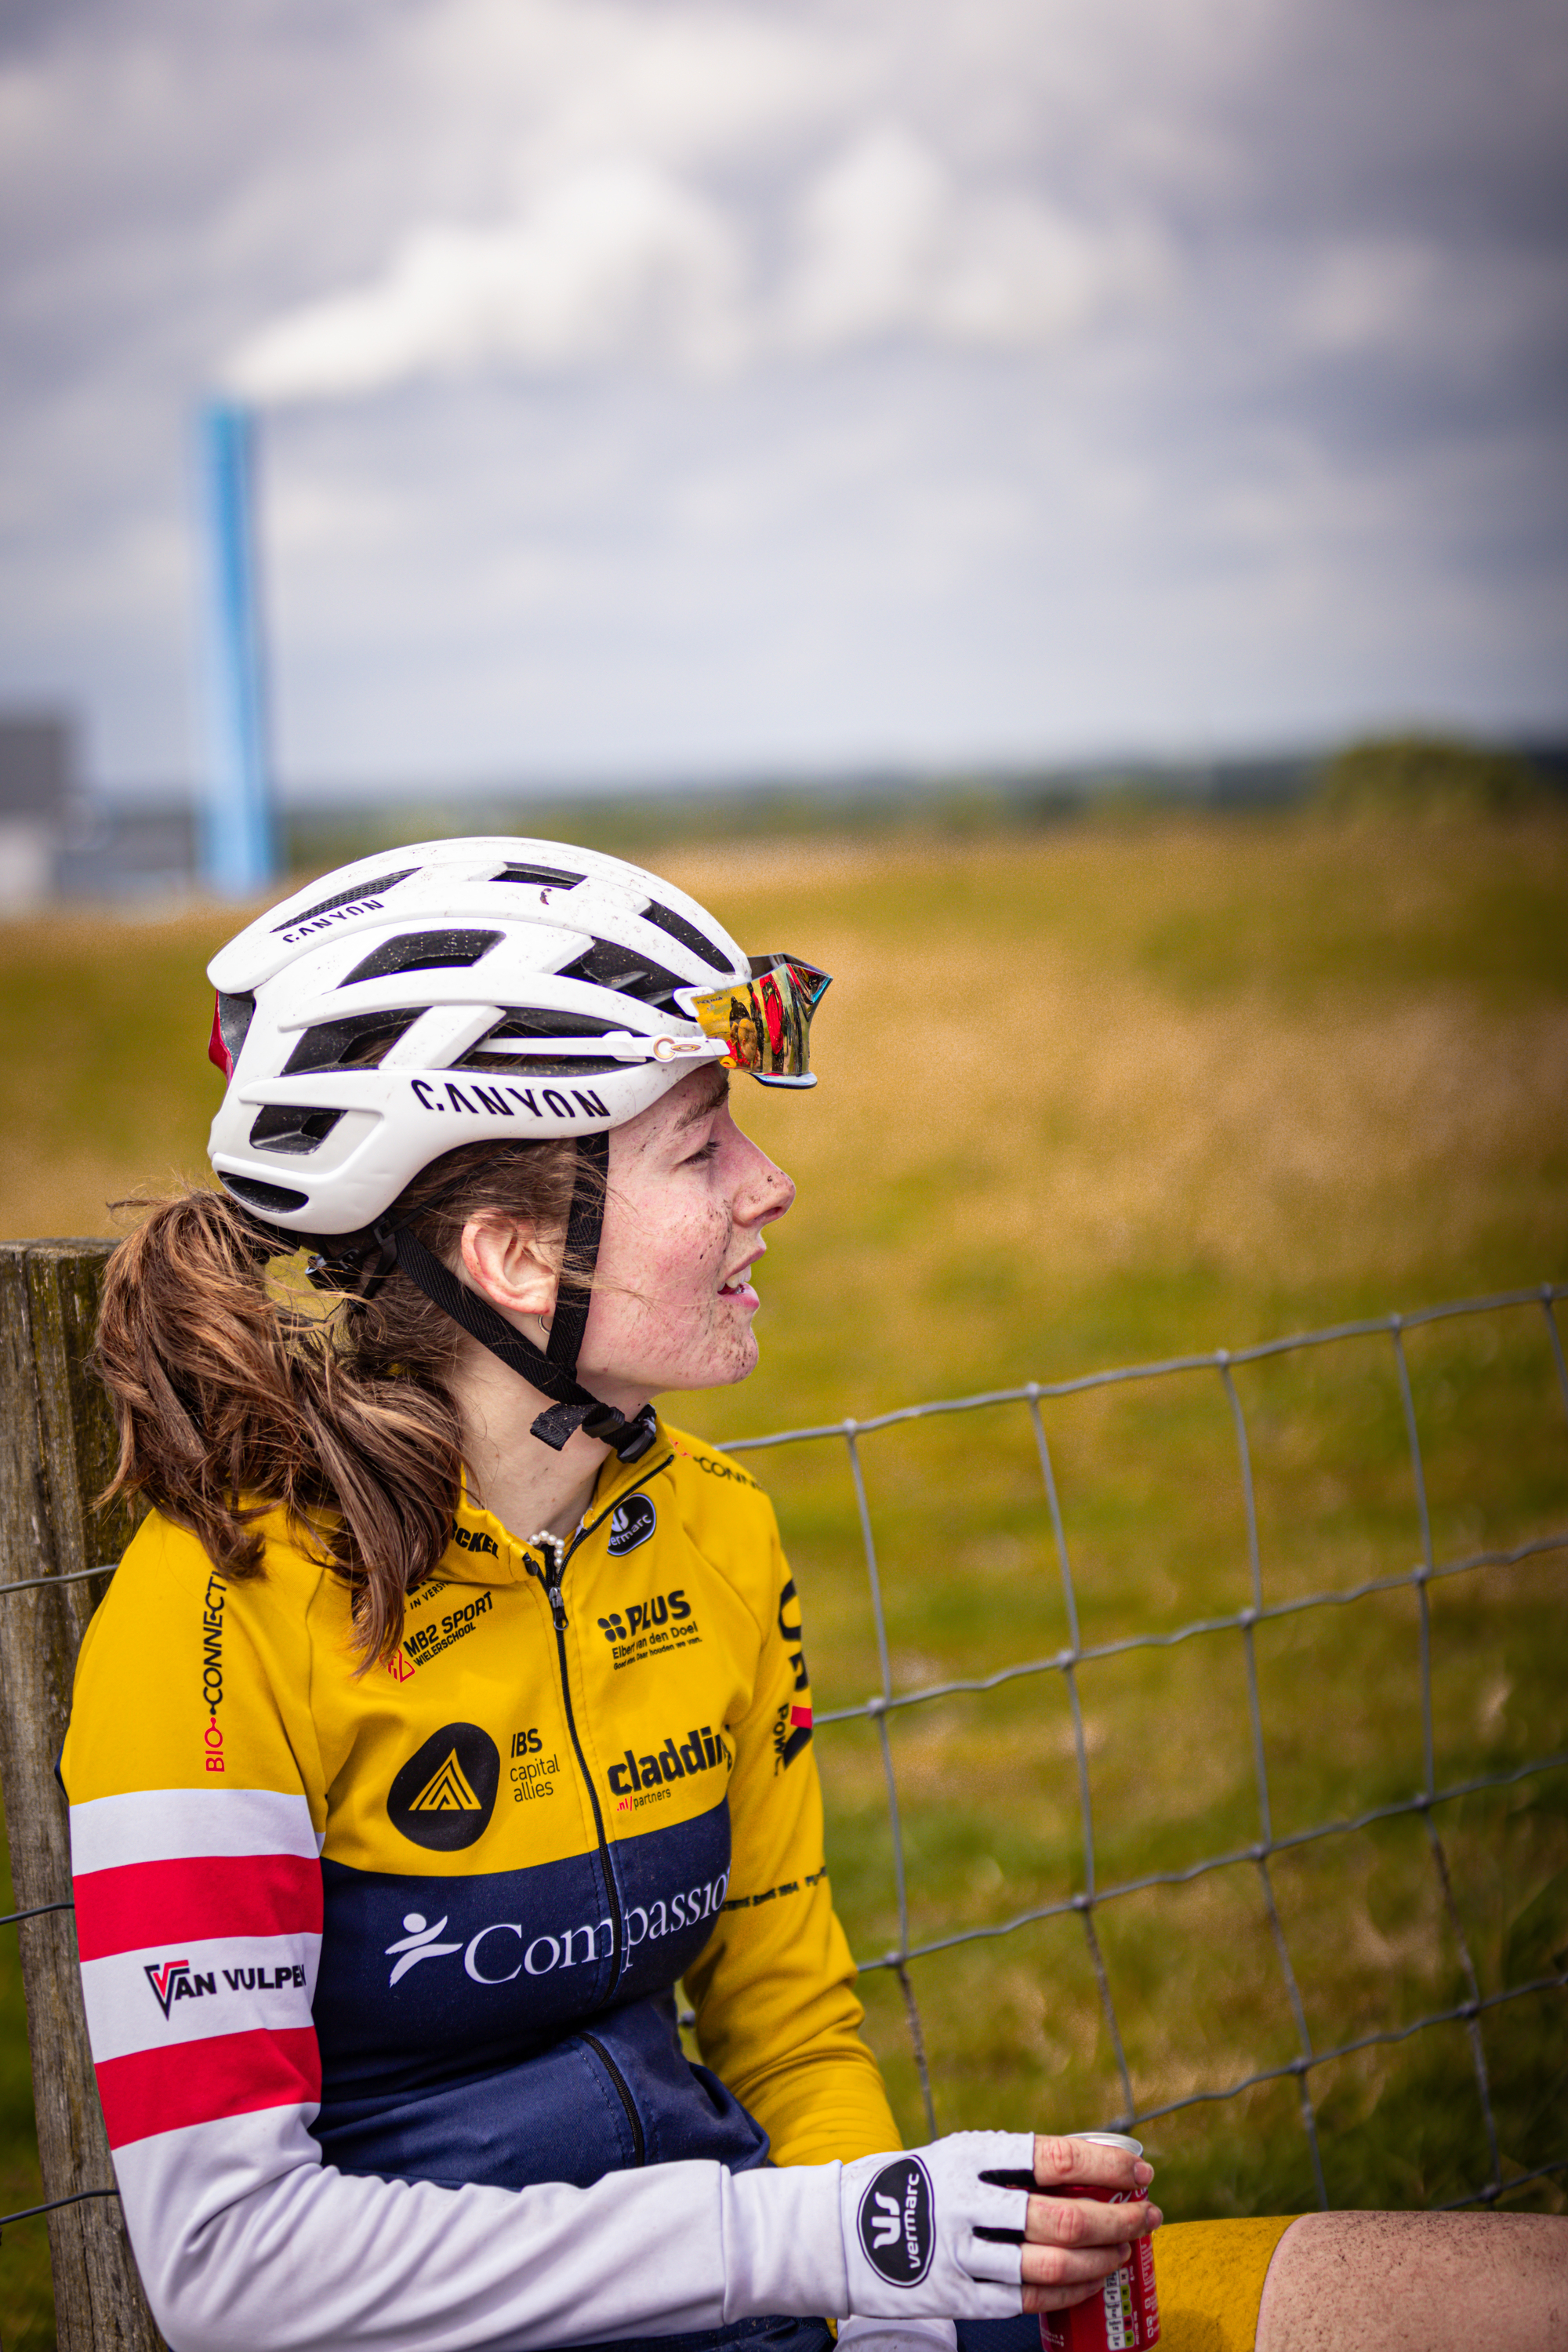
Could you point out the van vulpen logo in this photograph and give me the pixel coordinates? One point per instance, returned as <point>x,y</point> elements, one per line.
<point>444,1796</point>
<point>175,1980</point>
<point>898,2218</point>
<point>631,1523</point>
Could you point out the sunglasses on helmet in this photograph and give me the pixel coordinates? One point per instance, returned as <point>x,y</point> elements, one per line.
<point>765,1023</point>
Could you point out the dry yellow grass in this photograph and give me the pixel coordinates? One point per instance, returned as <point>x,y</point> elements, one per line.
<point>1104,1049</point>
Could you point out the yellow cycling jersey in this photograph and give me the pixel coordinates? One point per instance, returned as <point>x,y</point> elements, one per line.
<point>431,1914</point>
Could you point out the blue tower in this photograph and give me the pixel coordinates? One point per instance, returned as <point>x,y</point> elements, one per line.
<point>239,844</point>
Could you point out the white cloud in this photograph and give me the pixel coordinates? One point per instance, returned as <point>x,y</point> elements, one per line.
<point>611,257</point>
<point>890,244</point>
<point>627,259</point>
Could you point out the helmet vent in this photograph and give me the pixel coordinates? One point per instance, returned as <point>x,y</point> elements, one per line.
<point>291,1127</point>
<point>539,1065</point>
<point>609,966</point>
<point>358,1042</point>
<point>539,1021</point>
<point>258,1196</point>
<point>371,889</point>
<point>422,951</point>
<point>553,876</point>
<point>665,919</point>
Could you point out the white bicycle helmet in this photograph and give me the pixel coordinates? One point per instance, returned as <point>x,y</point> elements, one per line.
<point>471,991</point>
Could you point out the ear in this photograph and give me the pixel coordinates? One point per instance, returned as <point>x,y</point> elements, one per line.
<point>502,1260</point>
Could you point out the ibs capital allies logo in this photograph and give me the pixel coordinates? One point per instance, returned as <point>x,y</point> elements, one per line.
<point>444,1796</point>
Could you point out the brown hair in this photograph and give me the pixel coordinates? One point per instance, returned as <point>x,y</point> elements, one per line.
<point>230,1403</point>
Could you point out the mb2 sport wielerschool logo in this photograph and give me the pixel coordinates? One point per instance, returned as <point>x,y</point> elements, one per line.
<point>896,2219</point>
<point>444,1796</point>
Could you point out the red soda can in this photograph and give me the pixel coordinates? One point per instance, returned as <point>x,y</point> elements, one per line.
<point>1123,2313</point>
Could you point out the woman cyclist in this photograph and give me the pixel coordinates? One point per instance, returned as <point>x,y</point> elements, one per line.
<point>450,1707</point>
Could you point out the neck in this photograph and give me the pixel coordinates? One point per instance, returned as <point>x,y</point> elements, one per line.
<point>521,1481</point>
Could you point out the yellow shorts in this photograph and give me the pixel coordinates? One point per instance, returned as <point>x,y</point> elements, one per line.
<point>1209,2276</point>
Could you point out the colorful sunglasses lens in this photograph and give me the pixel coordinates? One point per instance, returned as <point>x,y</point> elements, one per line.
<point>766,1023</point>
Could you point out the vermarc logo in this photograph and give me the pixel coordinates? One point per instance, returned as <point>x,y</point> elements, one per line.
<point>631,1523</point>
<point>897,2221</point>
<point>444,1796</point>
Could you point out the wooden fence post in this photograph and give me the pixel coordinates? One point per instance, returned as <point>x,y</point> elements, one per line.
<point>57,1451</point>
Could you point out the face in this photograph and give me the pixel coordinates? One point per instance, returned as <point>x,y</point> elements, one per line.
<point>689,1198</point>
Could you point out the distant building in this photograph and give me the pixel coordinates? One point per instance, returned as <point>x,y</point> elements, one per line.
<point>37,765</point>
<point>127,851</point>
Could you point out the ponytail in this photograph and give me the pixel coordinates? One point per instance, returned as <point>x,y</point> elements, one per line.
<point>231,1404</point>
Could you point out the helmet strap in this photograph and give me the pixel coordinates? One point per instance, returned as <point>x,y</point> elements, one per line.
<point>552,1370</point>
<point>584,1226</point>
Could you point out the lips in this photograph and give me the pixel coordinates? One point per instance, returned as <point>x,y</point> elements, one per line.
<point>737,1284</point>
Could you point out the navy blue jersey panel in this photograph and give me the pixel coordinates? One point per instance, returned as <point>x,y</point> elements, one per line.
<point>420,1977</point>
<point>423,1977</point>
<point>671,1882</point>
<point>464,2028</point>
<point>618,2094</point>
<point>1020,2334</point>
<point>682,2110</point>
<point>555,2116</point>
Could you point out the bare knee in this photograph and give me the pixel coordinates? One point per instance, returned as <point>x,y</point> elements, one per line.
<point>1417,2283</point>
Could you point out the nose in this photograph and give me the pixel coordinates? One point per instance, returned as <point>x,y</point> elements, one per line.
<point>763,1191</point>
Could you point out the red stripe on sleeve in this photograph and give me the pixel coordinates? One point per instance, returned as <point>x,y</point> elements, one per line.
<point>200,2082</point>
<point>189,1901</point>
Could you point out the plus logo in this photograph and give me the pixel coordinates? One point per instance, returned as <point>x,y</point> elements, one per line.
<point>661,1609</point>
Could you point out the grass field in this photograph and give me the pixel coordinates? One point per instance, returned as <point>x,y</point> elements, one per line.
<point>1094,1097</point>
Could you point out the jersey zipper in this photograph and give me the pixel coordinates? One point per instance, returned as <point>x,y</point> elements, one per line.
<point>618,2079</point>
<point>559,1552</point>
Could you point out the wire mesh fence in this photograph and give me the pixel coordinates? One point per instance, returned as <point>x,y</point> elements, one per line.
<point>1092,1898</point>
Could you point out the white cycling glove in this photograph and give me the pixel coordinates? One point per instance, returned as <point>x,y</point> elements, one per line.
<point>912,2227</point>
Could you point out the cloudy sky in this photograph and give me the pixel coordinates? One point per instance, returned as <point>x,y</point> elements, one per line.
<point>654,388</point>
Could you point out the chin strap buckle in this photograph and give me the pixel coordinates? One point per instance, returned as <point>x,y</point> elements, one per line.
<point>630,1439</point>
<point>635,1436</point>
